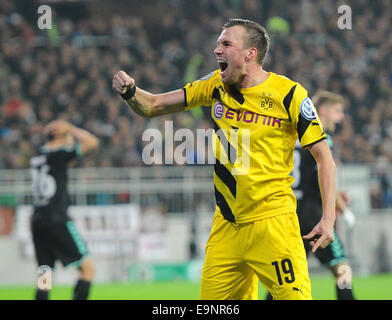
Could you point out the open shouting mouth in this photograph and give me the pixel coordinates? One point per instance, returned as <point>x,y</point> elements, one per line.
<point>223,66</point>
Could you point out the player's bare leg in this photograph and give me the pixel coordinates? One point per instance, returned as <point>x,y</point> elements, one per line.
<point>343,276</point>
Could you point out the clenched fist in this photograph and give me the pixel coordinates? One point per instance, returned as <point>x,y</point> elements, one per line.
<point>122,81</point>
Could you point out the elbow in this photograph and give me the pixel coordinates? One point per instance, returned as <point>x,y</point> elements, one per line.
<point>331,169</point>
<point>156,105</point>
<point>146,112</point>
<point>95,143</point>
<point>333,166</point>
<point>91,145</point>
<point>328,166</point>
<point>148,115</point>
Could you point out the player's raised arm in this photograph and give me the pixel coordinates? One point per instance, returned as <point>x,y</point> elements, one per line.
<point>144,103</point>
<point>327,181</point>
<point>87,140</point>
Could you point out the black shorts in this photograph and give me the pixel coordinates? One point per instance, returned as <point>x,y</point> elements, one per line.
<point>309,214</point>
<point>60,241</point>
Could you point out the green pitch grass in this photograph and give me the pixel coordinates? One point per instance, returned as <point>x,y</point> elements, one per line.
<point>375,287</point>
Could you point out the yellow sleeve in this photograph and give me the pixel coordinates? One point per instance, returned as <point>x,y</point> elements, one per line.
<point>199,93</point>
<point>305,118</point>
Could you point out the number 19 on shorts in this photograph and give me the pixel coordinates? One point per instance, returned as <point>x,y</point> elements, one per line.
<point>286,267</point>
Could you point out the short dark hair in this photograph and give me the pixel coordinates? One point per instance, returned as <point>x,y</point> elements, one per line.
<point>323,98</point>
<point>257,36</point>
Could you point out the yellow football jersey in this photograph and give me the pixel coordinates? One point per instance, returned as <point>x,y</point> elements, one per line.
<point>255,133</point>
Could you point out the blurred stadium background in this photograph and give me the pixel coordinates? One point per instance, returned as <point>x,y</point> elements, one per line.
<point>146,226</point>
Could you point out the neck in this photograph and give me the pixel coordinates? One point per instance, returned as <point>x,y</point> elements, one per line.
<point>253,76</point>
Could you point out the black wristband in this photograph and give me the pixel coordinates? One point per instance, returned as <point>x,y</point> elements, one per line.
<point>129,93</point>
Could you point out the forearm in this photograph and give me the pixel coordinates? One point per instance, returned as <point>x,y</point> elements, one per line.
<point>327,182</point>
<point>87,140</point>
<point>150,105</point>
<point>143,103</point>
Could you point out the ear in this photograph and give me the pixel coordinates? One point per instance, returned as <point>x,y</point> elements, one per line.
<point>321,111</point>
<point>252,54</point>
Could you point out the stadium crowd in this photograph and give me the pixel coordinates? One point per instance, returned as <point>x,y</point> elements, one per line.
<point>66,72</point>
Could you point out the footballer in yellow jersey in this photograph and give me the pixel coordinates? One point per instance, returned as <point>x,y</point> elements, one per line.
<point>275,113</point>
<point>258,116</point>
